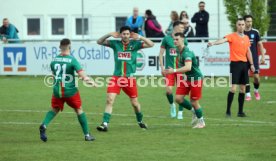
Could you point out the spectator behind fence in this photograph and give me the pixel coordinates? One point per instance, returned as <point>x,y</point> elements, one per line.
<point>201,19</point>
<point>152,28</point>
<point>135,22</point>
<point>183,14</point>
<point>174,17</point>
<point>188,29</point>
<point>8,31</point>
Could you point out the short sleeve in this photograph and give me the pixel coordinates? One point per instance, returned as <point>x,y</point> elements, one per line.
<point>188,57</point>
<point>111,43</point>
<point>76,65</point>
<point>163,43</point>
<point>185,42</point>
<point>229,37</point>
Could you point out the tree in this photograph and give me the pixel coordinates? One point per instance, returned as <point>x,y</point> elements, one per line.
<point>257,8</point>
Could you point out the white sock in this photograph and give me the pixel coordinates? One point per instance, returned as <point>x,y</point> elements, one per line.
<point>105,123</point>
<point>256,90</point>
<point>180,112</point>
<point>248,94</point>
<point>193,110</point>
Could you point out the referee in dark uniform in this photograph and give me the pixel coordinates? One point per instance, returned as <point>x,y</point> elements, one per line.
<point>240,54</point>
<point>256,43</point>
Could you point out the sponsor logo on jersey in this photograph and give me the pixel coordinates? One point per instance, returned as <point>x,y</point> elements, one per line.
<point>252,36</point>
<point>173,52</point>
<point>15,59</point>
<point>124,55</point>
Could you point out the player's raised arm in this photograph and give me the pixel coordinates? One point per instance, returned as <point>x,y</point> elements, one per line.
<point>218,42</point>
<point>147,42</point>
<point>103,39</point>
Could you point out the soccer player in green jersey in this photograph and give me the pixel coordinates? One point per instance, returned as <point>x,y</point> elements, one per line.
<point>125,54</point>
<point>63,68</point>
<point>192,82</point>
<point>171,60</point>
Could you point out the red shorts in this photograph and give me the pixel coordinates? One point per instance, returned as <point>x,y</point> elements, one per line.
<point>128,85</point>
<point>194,87</point>
<point>74,101</point>
<point>173,78</point>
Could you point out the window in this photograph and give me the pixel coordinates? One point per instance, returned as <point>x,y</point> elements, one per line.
<point>79,26</point>
<point>33,26</point>
<point>120,22</point>
<point>58,26</point>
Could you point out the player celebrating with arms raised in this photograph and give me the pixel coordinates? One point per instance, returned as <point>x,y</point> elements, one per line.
<point>63,68</point>
<point>192,82</point>
<point>125,54</point>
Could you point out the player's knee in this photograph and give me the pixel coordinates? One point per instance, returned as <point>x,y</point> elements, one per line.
<point>56,110</point>
<point>135,103</point>
<point>109,101</point>
<point>178,99</point>
<point>79,111</point>
<point>233,90</point>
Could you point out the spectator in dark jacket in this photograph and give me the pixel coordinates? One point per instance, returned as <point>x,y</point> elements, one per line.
<point>152,28</point>
<point>9,31</point>
<point>201,19</point>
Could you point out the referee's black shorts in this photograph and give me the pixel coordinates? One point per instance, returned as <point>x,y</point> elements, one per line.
<point>239,72</point>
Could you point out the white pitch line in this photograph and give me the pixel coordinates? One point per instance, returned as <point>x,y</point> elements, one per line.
<point>148,116</point>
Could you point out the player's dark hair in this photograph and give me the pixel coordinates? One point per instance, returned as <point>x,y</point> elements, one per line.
<point>247,16</point>
<point>124,28</point>
<point>179,34</point>
<point>240,19</point>
<point>64,44</point>
<point>201,2</point>
<point>176,23</point>
<point>4,19</point>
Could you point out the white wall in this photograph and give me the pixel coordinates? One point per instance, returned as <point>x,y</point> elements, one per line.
<point>103,13</point>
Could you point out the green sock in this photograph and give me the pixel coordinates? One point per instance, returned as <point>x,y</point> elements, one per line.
<point>180,108</point>
<point>199,112</point>
<point>83,122</point>
<point>139,116</point>
<point>106,117</point>
<point>170,98</point>
<point>186,104</point>
<point>49,117</point>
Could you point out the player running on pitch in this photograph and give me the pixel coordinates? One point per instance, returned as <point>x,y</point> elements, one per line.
<point>192,82</point>
<point>256,42</point>
<point>63,68</point>
<point>125,54</point>
<point>171,60</point>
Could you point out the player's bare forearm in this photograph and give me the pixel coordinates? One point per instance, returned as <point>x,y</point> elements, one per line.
<point>161,53</point>
<point>102,40</point>
<point>183,69</point>
<point>262,49</point>
<point>85,78</point>
<point>148,42</point>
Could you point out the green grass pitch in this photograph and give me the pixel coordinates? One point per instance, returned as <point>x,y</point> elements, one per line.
<point>25,100</point>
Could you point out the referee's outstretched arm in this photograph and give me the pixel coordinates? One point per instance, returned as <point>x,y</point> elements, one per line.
<point>218,42</point>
